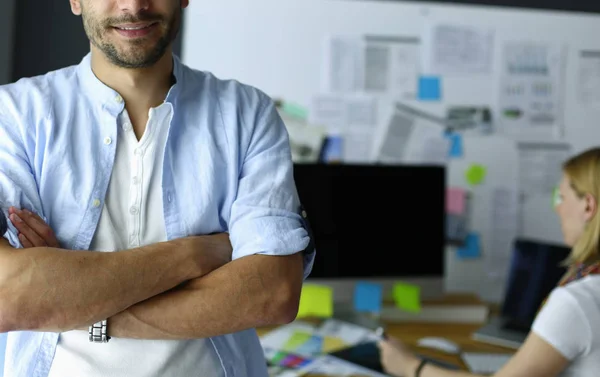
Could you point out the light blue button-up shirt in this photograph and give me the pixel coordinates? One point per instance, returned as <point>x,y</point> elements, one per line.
<point>227,168</point>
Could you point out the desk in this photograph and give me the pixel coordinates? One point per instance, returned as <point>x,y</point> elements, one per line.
<point>410,333</point>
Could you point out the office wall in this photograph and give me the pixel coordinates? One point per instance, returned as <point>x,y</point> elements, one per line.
<point>48,37</point>
<point>278,46</point>
<point>7,12</point>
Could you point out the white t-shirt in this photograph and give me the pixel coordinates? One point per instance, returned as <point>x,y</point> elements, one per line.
<point>570,322</point>
<point>133,216</point>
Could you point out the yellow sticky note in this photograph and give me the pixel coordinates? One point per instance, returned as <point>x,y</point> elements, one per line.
<point>475,174</point>
<point>332,344</point>
<point>407,297</point>
<point>316,301</point>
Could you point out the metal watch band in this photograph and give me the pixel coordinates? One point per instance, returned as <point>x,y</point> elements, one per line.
<point>98,332</point>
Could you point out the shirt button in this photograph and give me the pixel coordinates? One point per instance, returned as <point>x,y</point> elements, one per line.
<point>127,127</point>
<point>133,210</point>
<point>135,180</point>
<point>169,198</point>
<point>96,203</point>
<point>119,99</point>
<point>139,152</point>
<point>107,140</point>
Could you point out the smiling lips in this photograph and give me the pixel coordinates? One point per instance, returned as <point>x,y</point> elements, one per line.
<point>136,30</point>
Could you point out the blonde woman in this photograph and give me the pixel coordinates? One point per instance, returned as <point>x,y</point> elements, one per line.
<point>565,337</point>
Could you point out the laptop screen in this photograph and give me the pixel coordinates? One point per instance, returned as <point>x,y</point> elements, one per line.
<point>534,271</point>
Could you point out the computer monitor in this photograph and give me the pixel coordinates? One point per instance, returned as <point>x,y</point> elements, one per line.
<point>535,270</point>
<point>378,223</point>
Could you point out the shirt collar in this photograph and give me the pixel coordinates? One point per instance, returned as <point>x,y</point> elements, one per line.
<point>110,99</point>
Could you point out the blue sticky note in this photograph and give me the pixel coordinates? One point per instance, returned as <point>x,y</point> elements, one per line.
<point>368,297</point>
<point>471,249</point>
<point>456,145</point>
<point>430,88</point>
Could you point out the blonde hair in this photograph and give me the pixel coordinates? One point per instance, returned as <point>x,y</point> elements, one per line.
<point>583,171</point>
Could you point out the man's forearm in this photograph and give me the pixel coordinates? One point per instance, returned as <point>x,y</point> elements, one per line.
<point>247,293</point>
<point>46,289</point>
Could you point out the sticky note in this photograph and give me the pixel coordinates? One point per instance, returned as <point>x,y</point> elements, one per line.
<point>295,110</point>
<point>295,341</point>
<point>456,145</point>
<point>331,344</point>
<point>316,301</point>
<point>368,297</point>
<point>471,249</point>
<point>430,88</point>
<point>475,174</point>
<point>407,297</point>
<point>456,201</point>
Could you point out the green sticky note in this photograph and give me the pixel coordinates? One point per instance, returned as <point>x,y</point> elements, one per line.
<point>475,174</point>
<point>295,110</point>
<point>316,301</point>
<point>297,339</point>
<point>407,297</point>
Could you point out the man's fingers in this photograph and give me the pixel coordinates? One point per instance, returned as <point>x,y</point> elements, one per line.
<point>25,229</point>
<point>38,225</point>
<point>24,241</point>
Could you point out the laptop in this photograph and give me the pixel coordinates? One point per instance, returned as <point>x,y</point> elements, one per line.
<point>535,270</point>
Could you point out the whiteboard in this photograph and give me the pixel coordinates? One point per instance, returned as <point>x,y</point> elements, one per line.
<point>277,46</point>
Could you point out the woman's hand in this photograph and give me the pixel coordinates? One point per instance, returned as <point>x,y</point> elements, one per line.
<point>397,359</point>
<point>33,231</point>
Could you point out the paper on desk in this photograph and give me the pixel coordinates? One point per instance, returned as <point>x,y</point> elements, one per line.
<point>588,84</point>
<point>540,166</point>
<point>349,333</point>
<point>332,366</point>
<point>457,49</point>
<point>276,339</point>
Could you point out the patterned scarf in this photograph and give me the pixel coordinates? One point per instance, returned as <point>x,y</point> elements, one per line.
<point>577,272</point>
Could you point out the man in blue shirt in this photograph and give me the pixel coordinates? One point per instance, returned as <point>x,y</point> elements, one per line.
<point>174,226</point>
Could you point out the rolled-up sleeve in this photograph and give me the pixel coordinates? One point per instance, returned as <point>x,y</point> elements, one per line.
<point>266,217</point>
<point>18,186</point>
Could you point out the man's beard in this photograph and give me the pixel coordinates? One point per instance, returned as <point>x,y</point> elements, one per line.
<point>143,57</point>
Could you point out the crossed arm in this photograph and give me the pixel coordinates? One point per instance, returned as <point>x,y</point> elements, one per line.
<point>180,289</point>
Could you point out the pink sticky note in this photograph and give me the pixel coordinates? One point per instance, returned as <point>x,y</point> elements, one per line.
<point>455,201</point>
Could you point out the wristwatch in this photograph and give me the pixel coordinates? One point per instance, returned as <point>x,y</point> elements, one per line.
<point>98,332</point>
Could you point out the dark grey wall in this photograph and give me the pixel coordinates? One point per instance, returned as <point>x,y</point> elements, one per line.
<point>7,12</point>
<point>48,37</point>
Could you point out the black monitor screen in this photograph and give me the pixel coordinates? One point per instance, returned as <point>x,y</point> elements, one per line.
<point>374,221</point>
<point>536,268</point>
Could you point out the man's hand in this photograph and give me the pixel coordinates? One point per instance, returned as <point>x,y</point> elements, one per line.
<point>33,231</point>
<point>213,252</point>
